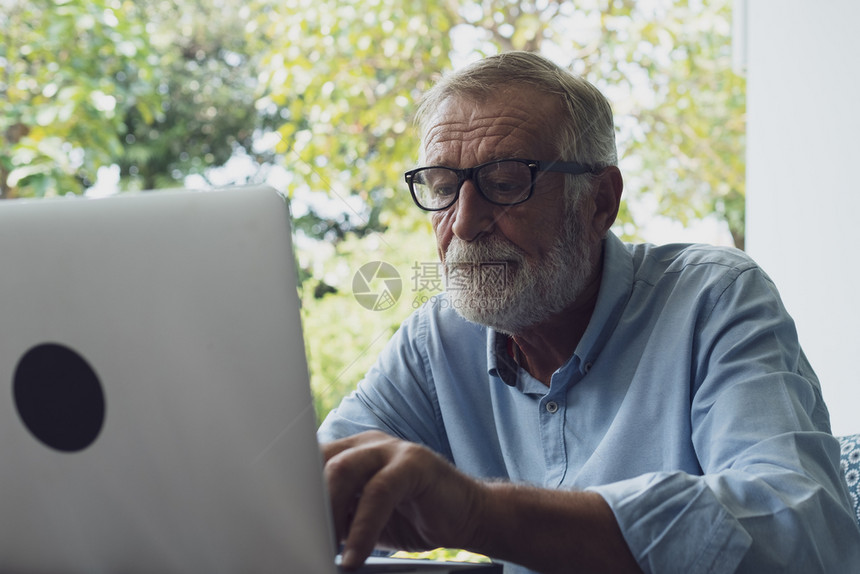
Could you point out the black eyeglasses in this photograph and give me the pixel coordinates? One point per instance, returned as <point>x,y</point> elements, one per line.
<point>503,181</point>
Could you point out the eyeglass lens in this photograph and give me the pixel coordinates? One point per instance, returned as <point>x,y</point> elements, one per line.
<point>504,182</point>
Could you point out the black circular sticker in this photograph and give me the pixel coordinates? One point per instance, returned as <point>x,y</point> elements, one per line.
<point>59,397</point>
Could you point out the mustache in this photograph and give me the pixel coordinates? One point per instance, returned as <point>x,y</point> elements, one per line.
<point>487,249</point>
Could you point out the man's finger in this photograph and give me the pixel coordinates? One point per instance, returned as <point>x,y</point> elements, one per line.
<point>347,474</point>
<point>331,449</point>
<point>375,506</point>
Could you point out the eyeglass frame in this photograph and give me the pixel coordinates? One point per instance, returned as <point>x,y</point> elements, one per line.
<point>466,174</point>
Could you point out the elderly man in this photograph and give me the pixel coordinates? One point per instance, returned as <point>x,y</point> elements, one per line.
<point>575,403</point>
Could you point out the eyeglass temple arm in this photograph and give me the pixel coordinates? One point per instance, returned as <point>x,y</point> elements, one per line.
<point>571,167</point>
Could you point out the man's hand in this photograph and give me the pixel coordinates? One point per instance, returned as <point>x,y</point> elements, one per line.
<point>401,495</point>
<point>398,494</point>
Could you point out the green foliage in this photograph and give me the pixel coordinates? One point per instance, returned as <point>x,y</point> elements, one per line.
<point>689,140</point>
<point>207,80</point>
<point>449,554</point>
<point>343,336</point>
<point>61,104</point>
<point>345,76</point>
<point>161,89</point>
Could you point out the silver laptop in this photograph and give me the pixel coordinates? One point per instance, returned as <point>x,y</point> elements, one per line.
<point>155,409</point>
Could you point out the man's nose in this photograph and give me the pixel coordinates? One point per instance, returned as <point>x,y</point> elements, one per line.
<point>474,215</point>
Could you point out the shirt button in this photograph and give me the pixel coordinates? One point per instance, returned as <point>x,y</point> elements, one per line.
<point>587,367</point>
<point>552,407</point>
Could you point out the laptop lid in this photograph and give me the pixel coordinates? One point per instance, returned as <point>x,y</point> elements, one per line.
<point>155,406</point>
<point>155,410</point>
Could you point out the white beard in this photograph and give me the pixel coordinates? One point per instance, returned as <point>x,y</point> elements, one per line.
<point>490,281</point>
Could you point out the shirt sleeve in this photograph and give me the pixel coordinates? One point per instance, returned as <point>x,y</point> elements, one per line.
<point>771,496</point>
<point>395,396</point>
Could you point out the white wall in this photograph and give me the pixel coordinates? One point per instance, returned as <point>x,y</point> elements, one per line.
<point>803,179</point>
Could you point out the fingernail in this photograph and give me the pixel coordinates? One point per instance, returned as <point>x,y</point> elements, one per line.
<point>348,559</point>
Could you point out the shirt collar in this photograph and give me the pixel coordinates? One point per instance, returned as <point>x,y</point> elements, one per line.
<point>616,285</point>
<point>500,363</point>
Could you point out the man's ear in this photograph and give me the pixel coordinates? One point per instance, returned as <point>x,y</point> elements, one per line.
<point>607,200</point>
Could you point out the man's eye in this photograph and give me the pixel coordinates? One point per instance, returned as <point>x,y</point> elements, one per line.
<point>504,186</point>
<point>444,190</point>
<point>507,187</point>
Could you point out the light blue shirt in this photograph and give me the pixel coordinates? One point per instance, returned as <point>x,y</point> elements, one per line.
<point>688,405</point>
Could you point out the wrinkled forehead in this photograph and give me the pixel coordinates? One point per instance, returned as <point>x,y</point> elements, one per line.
<point>511,123</point>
